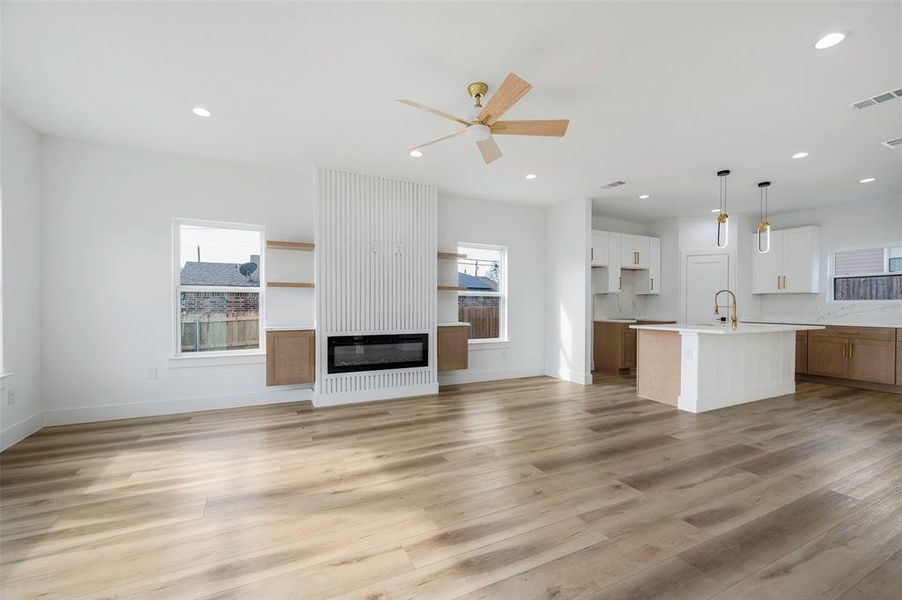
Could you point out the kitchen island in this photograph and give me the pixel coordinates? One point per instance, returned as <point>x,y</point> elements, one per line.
<point>698,368</point>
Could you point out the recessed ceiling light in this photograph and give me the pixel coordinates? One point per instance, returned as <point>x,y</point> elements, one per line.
<point>416,153</point>
<point>530,176</point>
<point>644,196</point>
<point>867,180</point>
<point>715,210</point>
<point>200,111</point>
<point>800,155</point>
<point>830,40</point>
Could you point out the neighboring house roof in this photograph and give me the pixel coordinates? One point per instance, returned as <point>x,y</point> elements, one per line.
<point>472,282</point>
<point>225,274</point>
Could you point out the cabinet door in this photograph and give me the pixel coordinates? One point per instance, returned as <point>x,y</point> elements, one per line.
<point>650,281</point>
<point>872,360</point>
<point>615,283</point>
<point>599,252</point>
<point>801,351</point>
<point>767,268</point>
<point>628,354</point>
<point>827,357</point>
<point>453,349</point>
<point>290,357</point>
<point>801,260</point>
<point>899,359</point>
<point>633,251</point>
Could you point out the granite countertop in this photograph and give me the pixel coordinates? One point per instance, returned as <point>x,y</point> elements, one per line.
<point>454,324</point>
<point>799,322</point>
<point>290,327</point>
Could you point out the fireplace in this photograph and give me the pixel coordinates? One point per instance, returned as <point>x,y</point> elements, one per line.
<point>352,353</point>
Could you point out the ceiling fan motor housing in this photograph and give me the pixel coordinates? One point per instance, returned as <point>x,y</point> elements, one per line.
<point>477,91</point>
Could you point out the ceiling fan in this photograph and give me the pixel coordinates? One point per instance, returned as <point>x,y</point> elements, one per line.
<point>484,119</point>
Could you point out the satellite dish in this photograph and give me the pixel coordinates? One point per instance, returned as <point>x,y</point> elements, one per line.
<point>247,268</point>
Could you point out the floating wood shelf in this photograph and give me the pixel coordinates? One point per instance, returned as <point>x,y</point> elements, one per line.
<point>290,284</point>
<point>276,245</point>
<point>451,288</point>
<point>451,255</point>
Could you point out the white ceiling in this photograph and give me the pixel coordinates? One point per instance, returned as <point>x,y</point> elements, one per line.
<point>659,95</point>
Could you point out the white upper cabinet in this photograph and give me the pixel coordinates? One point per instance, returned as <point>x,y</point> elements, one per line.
<point>650,281</point>
<point>634,250</point>
<point>792,266</point>
<point>608,280</point>
<point>599,250</point>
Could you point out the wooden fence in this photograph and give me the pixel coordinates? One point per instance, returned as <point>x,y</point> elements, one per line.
<point>483,320</point>
<point>220,331</point>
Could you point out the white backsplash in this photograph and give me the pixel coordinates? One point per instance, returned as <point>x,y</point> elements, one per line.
<point>624,305</point>
<point>812,308</point>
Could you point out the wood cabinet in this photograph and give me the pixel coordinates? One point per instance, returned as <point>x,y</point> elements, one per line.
<point>634,251</point>
<point>650,281</point>
<point>801,351</point>
<point>867,354</point>
<point>599,250</point>
<point>614,346</point>
<point>899,357</point>
<point>453,350</point>
<point>791,266</point>
<point>290,357</point>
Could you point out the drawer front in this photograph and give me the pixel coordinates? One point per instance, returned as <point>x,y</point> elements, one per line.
<point>885,334</point>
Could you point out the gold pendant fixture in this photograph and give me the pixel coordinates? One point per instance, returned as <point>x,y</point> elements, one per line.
<point>723,219</point>
<point>763,229</point>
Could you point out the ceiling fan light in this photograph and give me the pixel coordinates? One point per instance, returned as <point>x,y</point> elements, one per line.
<point>479,132</point>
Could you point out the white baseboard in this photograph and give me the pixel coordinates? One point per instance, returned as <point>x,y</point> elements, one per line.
<point>19,431</point>
<point>740,396</point>
<point>581,378</point>
<point>88,414</point>
<point>470,376</point>
<point>428,389</point>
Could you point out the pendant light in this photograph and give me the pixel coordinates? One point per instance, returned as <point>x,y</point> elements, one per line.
<point>722,217</point>
<point>763,229</point>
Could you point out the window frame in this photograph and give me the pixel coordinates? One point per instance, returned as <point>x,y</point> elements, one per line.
<point>832,276</point>
<point>178,288</point>
<point>501,294</point>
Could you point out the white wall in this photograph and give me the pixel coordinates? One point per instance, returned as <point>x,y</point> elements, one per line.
<point>522,230</point>
<point>107,276</point>
<point>20,180</point>
<point>844,226</point>
<point>568,302</point>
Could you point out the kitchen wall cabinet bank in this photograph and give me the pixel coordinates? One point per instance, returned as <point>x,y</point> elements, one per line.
<point>791,266</point>
<point>614,252</point>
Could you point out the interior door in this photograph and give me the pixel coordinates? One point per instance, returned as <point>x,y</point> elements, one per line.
<point>705,275</point>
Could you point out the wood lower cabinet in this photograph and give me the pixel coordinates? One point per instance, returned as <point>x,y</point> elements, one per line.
<point>290,357</point>
<point>899,357</point>
<point>801,351</point>
<point>827,357</point>
<point>865,354</point>
<point>453,350</point>
<point>614,346</point>
<point>872,360</point>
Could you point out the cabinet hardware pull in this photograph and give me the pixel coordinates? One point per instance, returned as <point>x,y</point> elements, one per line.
<point>652,284</point>
<point>778,282</point>
<point>842,349</point>
<point>592,253</point>
<point>620,283</point>
<point>784,282</point>
<point>851,347</point>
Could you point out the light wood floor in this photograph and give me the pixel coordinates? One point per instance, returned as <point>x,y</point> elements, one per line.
<point>525,489</point>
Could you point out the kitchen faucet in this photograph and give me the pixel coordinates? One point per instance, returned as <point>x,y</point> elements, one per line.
<point>717,307</point>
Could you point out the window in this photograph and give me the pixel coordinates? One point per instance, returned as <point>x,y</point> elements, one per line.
<point>866,274</point>
<point>483,303</point>
<point>217,291</point>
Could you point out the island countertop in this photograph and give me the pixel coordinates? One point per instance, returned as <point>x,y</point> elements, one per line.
<point>742,328</point>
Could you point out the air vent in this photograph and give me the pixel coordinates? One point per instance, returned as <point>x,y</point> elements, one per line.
<point>613,184</point>
<point>896,143</point>
<point>878,99</point>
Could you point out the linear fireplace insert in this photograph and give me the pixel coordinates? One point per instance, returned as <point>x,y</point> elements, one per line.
<point>351,353</point>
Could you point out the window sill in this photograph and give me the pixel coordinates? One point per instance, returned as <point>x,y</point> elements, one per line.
<point>217,359</point>
<point>488,344</point>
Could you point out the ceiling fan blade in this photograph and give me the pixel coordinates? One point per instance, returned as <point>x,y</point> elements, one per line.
<point>555,128</point>
<point>435,141</point>
<point>435,111</point>
<point>490,150</point>
<point>508,93</point>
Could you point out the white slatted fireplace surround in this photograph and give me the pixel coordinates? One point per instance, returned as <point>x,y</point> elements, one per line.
<point>375,274</point>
